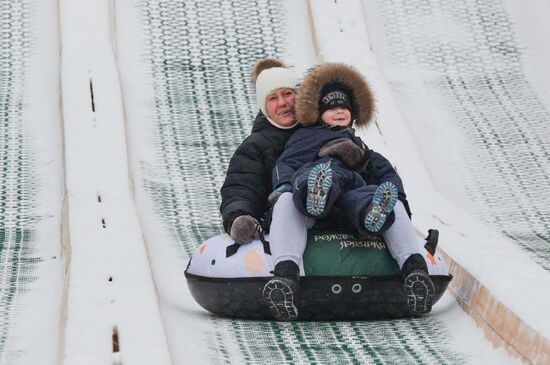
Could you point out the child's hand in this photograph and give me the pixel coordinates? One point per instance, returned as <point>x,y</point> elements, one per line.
<point>345,150</point>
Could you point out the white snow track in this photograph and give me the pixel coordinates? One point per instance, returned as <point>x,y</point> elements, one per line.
<point>155,97</point>
<point>31,184</point>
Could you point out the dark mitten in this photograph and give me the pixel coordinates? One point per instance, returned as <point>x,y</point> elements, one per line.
<point>244,229</point>
<point>274,196</point>
<point>362,166</point>
<point>347,151</point>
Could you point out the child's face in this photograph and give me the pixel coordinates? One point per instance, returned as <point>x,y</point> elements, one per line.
<point>337,116</point>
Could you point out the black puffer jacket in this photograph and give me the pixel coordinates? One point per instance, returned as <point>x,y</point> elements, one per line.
<point>248,181</point>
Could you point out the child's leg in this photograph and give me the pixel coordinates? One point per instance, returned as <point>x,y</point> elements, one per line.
<point>401,237</point>
<point>319,183</point>
<point>383,202</point>
<point>317,186</point>
<point>367,206</point>
<point>288,231</point>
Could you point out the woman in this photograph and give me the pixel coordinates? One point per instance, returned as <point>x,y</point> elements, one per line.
<point>247,185</point>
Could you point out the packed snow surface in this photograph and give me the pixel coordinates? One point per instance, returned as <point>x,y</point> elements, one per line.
<point>112,157</point>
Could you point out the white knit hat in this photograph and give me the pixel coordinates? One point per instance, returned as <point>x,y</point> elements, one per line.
<point>270,80</point>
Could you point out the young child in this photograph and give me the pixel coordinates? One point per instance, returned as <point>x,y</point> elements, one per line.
<point>331,97</point>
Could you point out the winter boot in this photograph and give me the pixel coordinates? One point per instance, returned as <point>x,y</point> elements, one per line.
<point>418,287</point>
<point>382,205</point>
<point>318,185</point>
<point>279,292</point>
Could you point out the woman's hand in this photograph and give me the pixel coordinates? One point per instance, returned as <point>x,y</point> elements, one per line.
<point>244,229</point>
<point>347,151</point>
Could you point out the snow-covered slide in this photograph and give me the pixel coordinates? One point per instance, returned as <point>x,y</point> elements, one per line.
<point>469,81</point>
<point>31,184</point>
<point>156,97</point>
<point>185,68</point>
<point>112,315</point>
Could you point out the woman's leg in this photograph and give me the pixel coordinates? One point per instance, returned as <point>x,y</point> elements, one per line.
<point>287,236</point>
<point>401,237</point>
<point>401,240</point>
<point>288,231</point>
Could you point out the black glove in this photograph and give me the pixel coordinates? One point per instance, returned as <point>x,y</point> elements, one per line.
<point>244,229</point>
<point>274,196</point>
<point>348,152</point>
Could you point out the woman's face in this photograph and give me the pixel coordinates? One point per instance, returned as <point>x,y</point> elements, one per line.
<point>280,106</point>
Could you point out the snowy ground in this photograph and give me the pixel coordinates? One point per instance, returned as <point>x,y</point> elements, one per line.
<point>31,184</point>
<point>156,97</point>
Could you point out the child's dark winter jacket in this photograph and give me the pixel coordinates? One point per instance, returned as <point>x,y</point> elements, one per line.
<point>248,181</point>
<point>351,192</point>
<point>304,146</point>
<point>301,152</point>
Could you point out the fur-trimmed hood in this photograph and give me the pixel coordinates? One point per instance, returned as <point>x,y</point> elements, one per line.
<point>309,93</point>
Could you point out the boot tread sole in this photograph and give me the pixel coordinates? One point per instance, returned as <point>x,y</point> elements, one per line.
<point>383,202</point>
<point>279,296</point>
<point>419,291</point>
<point>319,183</point>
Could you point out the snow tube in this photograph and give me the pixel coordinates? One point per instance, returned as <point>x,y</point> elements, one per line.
<point>344,276</point>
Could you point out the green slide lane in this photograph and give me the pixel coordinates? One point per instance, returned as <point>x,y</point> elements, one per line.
<point>475,61</point>
<point>31,184</point>
<point>17,188</point>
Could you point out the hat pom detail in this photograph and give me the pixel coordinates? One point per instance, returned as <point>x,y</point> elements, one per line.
<point>265,64</point>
